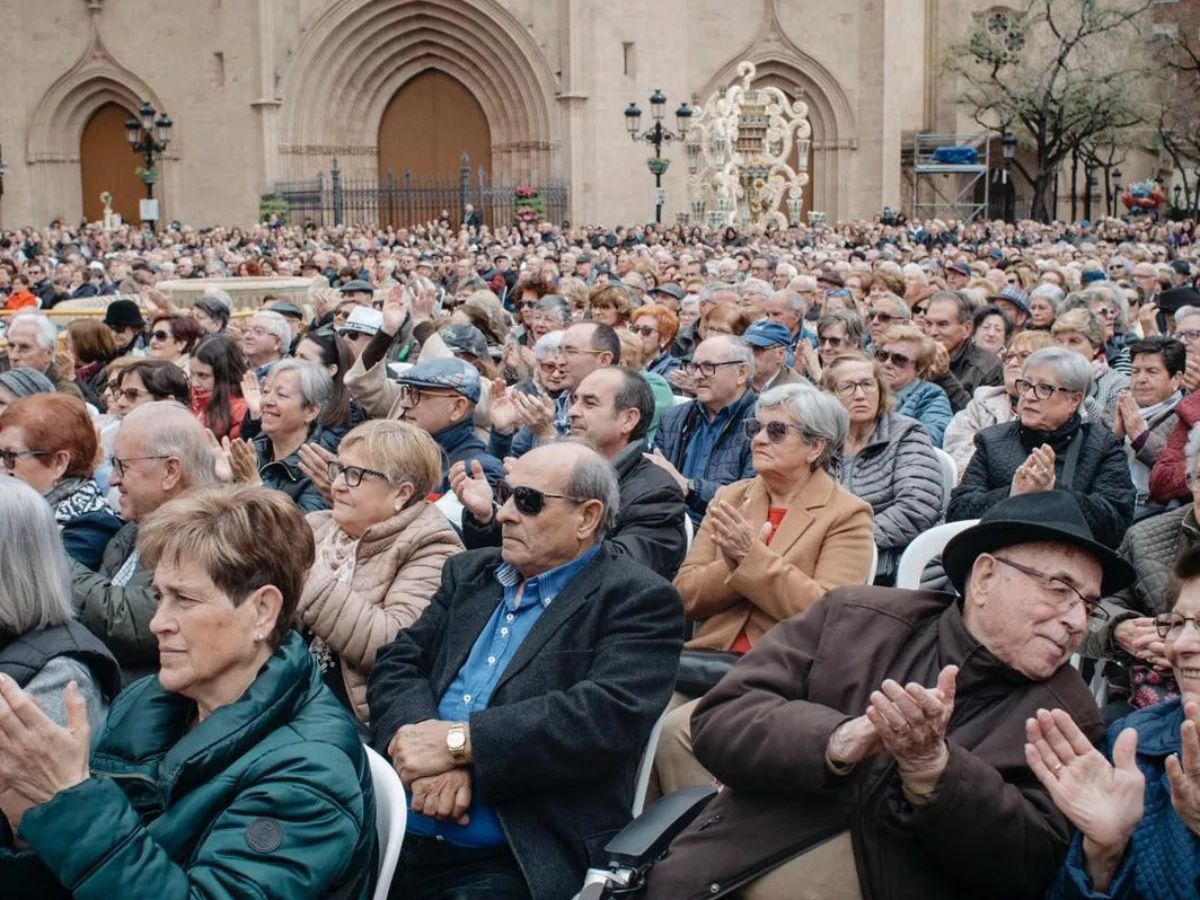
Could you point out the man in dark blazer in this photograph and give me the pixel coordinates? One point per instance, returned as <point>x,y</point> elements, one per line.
<point>517,707</point>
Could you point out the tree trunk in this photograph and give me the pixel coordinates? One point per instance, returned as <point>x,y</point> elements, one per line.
<point>1040,210</point>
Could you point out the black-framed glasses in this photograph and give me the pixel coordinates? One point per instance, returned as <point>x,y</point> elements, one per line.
<point>829,341</point>
<point>1187,336</point>
<point>850,388</point>
<point>643,330</point>
<point>877,316</point>
<point>709,369</point>
<point>353,474</point>
<point>899,360</point>
<point>1170,625</point>
<point>122,465</point>
<point>1066,594</point>
<point>130,394</point>
<point>529,501</point>
<point>776,431</point>
<point>160,335</point>
<point>1041,390</point>
<point>410,395</point>
<point>10,457</point>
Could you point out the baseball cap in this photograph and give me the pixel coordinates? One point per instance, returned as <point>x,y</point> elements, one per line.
<point>363,320</point>
<point>449,374</point>
<point>765,333</point>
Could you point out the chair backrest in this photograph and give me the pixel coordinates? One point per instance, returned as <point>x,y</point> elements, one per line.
<point>924,547</point>
<point>689,529</point>
<point>451,508</point>
<point>391,819</point>
<point>949,475</point>
<point>874,565</point>
<point>646,766</point>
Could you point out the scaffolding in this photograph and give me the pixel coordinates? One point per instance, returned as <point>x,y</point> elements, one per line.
<point>953,166</point>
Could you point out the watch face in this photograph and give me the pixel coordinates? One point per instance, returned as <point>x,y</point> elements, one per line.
<point>456,740</point>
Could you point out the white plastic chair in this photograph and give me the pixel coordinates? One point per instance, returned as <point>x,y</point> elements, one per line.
<point>646,766</point>
<point>874,565</point>
<point>949,475</point>
<point>451,508</point>
<point>924,547</point>
<point>689,529</point>
<point>391,819</point>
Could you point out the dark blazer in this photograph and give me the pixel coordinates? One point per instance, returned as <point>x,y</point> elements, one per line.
<point>556,751</point>
<point>650,527</point>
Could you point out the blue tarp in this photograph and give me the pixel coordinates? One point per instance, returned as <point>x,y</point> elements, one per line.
<point>956,156</point>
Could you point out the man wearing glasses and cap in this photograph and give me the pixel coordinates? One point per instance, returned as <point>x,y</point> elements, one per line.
<point>517,707</point>
<point>874,746</point>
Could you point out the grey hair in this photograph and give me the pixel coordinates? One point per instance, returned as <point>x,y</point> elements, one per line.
<point>47,331</point>
<point>713,287</point>
<point>546,345</point>
<point>1069,367</point>
<point>1192,451</point>
<point>35,580</point>
<point>1184,311</point>
<point>174,431</point>
<point>593,478</point>
<point>316,384</point>
<point>555,303</point>
<point>739,350</point>
<point>1106,290</point>
<point>277,326</point>
<point>795,300</point>
<point>820,416</point>
<point>754,284</point>
<point>1051,293</point>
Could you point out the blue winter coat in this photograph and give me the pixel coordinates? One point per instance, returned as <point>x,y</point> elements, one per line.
<point>1162,861</point>
<point>929,405</point>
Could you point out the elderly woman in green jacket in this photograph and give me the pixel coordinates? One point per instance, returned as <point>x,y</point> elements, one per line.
<point>234,772</point>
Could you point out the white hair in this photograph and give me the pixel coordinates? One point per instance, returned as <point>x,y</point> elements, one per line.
<point>47,331</point>
<point>276,326</point>
<point>316,384</point>
<point>35,582</point>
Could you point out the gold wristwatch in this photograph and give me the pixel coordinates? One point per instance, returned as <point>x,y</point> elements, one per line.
<point>456,743</point>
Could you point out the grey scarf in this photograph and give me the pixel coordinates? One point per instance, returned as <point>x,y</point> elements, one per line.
<point>73,497</point>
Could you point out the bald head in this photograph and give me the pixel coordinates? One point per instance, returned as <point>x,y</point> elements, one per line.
<point>169,429</point>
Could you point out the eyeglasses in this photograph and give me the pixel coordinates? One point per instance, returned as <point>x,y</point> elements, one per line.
<point>529,501</point>
<point>10,457</point>
<point>899,360</point>
<point>850,388</point>
<point>122,465</point>
<point>353,474</point>
<point>832,341</point>
<point>644,330</point>
<point>1041,390</point>
<point>130,394</point>
<point>160,335</point>
<point>1187,336</point>
<point>776,431</point>
<point>576,351</point>
<point>709,369</point>
<point>1104,312</point>
<point>410,396</point>
<point>1014,356</point>
<point>1170,625</point>
<point>1066,595</point>
<point>875,316</point>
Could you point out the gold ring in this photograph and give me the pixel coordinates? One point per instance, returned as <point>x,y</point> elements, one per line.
<point>1058,768</point>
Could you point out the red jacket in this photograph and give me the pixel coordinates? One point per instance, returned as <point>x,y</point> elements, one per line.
<point>21,300</point>
<point>1168,478</point>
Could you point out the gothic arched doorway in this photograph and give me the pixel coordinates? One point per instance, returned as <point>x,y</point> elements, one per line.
<point>107,164</point>
<point>429,124</point>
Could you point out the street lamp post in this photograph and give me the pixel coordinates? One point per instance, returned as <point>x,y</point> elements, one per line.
<point>657,135</point>
<point>3,171</point>
<point>1178,190</point>
<point>1008,145</point>
<point>1116,176</point>
<point>148,136</point>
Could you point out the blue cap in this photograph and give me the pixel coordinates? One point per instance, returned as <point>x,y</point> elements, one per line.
<point>449,374</point>
<point>765,333</point>
<point>1092,275</point>
<point>1015,296</point>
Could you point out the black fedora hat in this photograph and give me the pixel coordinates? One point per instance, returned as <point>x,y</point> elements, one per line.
<point>1052,516</point>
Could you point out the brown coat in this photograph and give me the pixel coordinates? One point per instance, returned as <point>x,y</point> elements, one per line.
<point>989,830</point>
<point>397,568</point>
<point>823,542</point>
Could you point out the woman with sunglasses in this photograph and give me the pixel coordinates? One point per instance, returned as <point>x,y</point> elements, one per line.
<point>769,547</point>
<point>380,552</point>
<point>49,442</point>
<point>888,459</point>
<point>657,326</point>
<point>1135,801</point>
<point>173,337</point>
<point>906,355</point>
<point>1050,447</point>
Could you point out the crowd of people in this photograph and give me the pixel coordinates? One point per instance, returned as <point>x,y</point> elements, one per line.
<point>494,501</point>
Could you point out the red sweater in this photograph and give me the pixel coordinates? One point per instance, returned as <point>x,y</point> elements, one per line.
<point>1168,478</point>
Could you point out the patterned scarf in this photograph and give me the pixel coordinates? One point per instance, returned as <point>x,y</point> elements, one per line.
<point>73,497</point>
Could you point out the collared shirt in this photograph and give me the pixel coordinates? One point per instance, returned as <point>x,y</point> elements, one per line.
<point>476,681</point>
<point>700,445</point>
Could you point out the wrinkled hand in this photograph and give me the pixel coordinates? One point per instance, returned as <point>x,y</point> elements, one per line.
<point>732,533</point>
<point>314,463</point>
<point>536,413</point>
<point>395,308</point>
<point>220,454</point>
<point>38,759</point>
<point>1138,638</point>
<point>446,796</point>
<point>1148,319</point>
<point>852,742</point>
<point>1191,372</point>
<point>656,457</point>
<point>64,361</point>
<point>912,721</point>
<point>252,394</point>
<point>1184,775</point>
<point>1104,801</point>
<point>502,408</point>
<point>423,303</point>
<point>243,461</point>
<point>1130,417</point>
<point>1036,473</point>
<point>324,300</point>
<point>420,750</point>
<point>682,380</point>
<point>806,361</point>
<point>473,490</point>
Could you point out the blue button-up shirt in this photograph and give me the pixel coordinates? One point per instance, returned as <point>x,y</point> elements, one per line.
<point>700,445</point>
<point>476,681</point>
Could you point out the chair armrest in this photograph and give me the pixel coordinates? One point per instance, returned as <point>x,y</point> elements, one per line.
<point>647,837</point>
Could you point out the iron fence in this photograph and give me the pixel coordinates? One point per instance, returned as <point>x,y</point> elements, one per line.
<point>408,200</point>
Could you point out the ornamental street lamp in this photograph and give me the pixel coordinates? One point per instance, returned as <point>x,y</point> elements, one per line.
<point>148,136</point>
<point>1116,175</point>
<point>657,135</point>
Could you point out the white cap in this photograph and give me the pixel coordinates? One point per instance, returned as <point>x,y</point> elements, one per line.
<point>363,320</point>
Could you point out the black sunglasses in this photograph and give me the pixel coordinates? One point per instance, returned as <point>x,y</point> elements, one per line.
<point>898,359</point>
<point>161,335</point>
<point>776,431</point>
<point>529,501</point>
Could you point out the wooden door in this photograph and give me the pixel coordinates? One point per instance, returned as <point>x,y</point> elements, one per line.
<point>107,164</point>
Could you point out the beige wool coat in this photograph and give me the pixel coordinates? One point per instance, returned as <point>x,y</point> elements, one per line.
<point>383,583</point>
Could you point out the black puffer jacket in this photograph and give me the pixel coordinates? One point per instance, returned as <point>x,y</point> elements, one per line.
<point>1101,483</point>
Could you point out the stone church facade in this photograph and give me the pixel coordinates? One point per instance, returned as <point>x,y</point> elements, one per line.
<point>265,91</point>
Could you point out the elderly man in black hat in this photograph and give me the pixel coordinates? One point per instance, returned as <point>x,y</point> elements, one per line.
<point>874,746</point>
<point>124,318</point>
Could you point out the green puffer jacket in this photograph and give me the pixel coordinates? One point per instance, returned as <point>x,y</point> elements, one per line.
<point>269,796</point>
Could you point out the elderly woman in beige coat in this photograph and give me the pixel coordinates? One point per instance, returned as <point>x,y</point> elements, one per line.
<point>380,552</point>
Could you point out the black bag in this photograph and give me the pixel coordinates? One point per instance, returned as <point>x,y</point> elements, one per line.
<point>700,670</point>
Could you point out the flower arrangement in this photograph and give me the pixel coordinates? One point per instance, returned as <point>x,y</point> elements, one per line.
<point>528,205</point>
